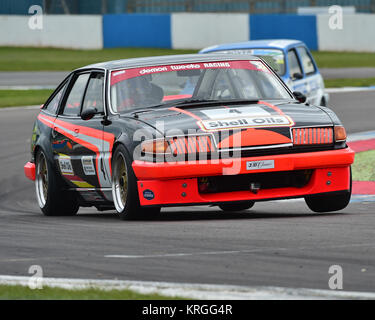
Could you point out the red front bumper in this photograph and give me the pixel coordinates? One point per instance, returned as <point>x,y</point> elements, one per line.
<point>29,169</point>
<point>176,183</point>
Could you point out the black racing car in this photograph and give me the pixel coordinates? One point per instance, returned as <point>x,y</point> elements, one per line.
<point>140,134</point>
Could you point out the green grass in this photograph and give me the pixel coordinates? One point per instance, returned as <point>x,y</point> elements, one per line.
<point>37,59</point>
<point>364,166</point>
<point>33,59</point>
<point>17,292</point>
<point>326,59</point>
<point>338,83</point>
<point>10,98</point>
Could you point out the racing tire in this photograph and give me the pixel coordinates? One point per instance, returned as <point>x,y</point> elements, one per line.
<point>328,203</point>
<point>53,200</point>
<point>232,207</point>
<point>125,189</point>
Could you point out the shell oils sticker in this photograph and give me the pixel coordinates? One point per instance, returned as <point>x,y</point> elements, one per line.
<point>246,122</point>
<point>88,166</point>
<point>65,165</point>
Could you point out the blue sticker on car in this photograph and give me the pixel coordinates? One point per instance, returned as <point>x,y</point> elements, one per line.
<point>148,194</point>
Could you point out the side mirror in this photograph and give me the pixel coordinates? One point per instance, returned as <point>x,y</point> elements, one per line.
<point>297,76</point>
<point>89,113</point>
<point>300,96</point>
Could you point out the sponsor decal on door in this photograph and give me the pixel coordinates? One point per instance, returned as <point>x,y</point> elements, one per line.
<point>88,165</point>
<point>65,165</point>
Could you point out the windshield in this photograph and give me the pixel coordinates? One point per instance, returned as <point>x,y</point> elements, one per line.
<point>219,80</point>
<point>274,57</point>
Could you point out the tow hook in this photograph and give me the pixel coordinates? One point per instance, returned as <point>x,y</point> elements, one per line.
<point>254,187</point>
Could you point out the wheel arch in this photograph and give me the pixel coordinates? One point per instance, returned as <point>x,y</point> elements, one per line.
<point>126,142</point>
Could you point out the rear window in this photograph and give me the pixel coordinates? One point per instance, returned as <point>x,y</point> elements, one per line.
<point>53,105</point>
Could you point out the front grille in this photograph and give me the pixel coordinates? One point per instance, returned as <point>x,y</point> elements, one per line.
<point>311,136</point>
<point>242,182</point>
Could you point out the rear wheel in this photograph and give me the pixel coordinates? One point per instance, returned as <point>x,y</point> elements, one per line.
<point>236,206</point>
<point>327,203</point>
<point>125,190</point>
<point>52,199</point>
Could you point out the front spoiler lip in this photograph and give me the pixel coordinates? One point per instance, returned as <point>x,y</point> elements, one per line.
<point>211,204</point>
<point>284,162</point>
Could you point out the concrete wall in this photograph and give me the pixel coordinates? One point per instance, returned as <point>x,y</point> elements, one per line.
<point>198,30</point>
<point>80,32</point>
<point>358,33</point>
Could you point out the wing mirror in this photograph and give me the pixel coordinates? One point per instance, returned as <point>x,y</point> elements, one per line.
<point>300,96</point>
<point>89,113</point>
<point>297,76</point>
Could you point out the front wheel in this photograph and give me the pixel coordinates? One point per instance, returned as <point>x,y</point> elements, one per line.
<point>231,207</point>
<point>125,190</point>
<point>52,199</point>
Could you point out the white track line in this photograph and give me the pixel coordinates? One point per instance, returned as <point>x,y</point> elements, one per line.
<point>183,254</point>
<point>193,291</point>
<point>364,135</point>
<point>349,89</point>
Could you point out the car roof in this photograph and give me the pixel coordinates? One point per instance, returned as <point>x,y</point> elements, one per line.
<point>169,59</point>
<point>254,44</point>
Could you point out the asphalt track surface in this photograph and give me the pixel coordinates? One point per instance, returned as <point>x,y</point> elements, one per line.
<point>35,78</point>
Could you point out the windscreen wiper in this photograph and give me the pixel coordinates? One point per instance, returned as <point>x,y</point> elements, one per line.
<point>198,102</point>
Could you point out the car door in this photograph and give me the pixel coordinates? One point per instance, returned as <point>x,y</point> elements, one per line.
<point>296,72</point>
<point>311,76</point>
<point>80,142</point>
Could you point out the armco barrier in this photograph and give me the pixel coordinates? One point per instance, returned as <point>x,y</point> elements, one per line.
<point>284,27</point>
<point>137,30</point>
